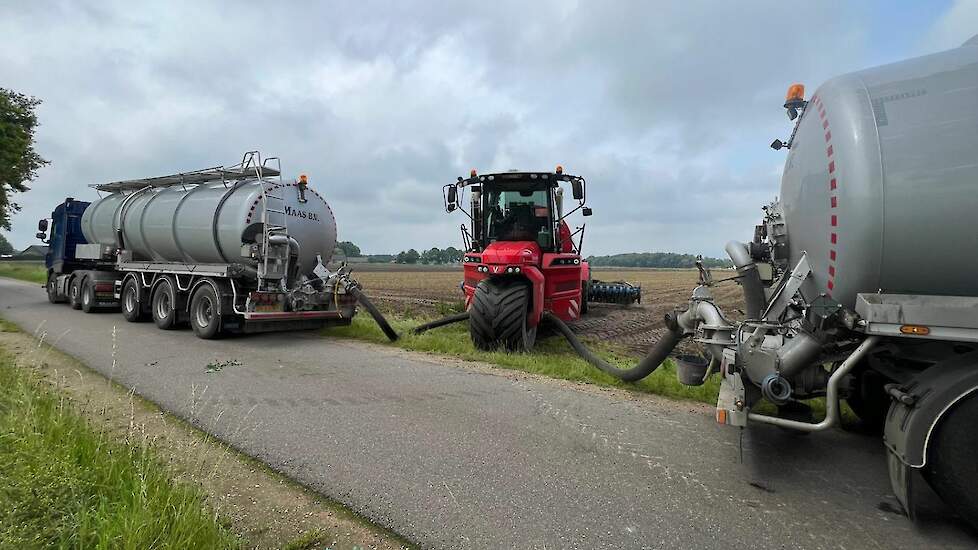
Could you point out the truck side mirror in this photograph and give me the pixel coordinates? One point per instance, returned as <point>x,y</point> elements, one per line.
<point>586,211</point>
<point>41,235</point>
<point>578,188</point>
<point>451,199</point>
<point>42,225</point>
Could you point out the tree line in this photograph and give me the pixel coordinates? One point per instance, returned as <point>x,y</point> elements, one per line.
<point>433,255</point>
<point>656,259</point>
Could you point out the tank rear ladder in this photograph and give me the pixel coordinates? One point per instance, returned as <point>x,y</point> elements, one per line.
<point>276,253</point>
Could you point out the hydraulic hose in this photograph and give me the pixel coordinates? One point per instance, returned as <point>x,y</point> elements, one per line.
<point>441,322</point>
<point>750,279</point>
<point>374,312</point>
<point>660,351</point>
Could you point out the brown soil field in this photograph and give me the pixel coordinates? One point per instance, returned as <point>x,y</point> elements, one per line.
<point>421,289</point>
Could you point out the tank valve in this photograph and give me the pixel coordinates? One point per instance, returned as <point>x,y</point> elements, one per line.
<point>776,389</point>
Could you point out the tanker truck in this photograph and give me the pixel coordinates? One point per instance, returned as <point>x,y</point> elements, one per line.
<point>225,249</point>
<point>861,281</point>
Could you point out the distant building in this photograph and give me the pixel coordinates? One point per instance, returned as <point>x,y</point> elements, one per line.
<point>32,252</point>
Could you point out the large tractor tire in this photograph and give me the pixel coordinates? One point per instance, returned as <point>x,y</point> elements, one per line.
<point>498,316</point>
<point>952,469</point>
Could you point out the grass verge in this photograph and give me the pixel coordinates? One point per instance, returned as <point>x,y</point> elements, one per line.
<point>25,271</point>
<point>64,484</point>
<point>551,357</point>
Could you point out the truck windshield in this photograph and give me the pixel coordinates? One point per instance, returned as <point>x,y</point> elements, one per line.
<point>523,215</point>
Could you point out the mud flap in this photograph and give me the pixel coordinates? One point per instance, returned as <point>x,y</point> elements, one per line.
<point>902,480</point>
<point>918,406</point>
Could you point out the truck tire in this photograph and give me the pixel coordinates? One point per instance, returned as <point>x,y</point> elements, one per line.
<point>52,289</point>
<point>88,300</point>
<point>164,305</point>
<point>132,309</point>
<point>205,316</point>
<point>952,469</point>
<point>869,399</point>
<point>74,292</point>
<point>498,316</point>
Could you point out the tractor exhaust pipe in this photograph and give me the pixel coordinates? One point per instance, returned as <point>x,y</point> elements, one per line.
<point>458,317</point>
<point>660,351</point>
<point>374,312</point>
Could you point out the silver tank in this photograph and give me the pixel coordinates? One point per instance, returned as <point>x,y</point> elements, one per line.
<point>203,223</point>
<point>880,187</point>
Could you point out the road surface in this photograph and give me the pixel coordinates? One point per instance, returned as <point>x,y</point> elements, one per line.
<point>468,457</point>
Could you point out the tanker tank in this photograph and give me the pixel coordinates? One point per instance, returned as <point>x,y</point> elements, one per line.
<point>880,187</point>
<point>204,223</point>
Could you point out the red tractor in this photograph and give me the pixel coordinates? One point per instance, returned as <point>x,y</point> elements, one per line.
<point>521,258</point>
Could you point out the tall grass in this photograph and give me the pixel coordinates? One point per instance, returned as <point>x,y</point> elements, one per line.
<point>550,357</point>
<point>25,271</point>
<point>64,484</point>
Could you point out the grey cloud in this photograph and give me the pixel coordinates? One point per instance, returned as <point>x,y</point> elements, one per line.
<point>666,108</point>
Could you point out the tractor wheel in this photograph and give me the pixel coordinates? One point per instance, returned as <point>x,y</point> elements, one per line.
<point>952,470</point>
<point>498,315</point>
<point>74,293</point>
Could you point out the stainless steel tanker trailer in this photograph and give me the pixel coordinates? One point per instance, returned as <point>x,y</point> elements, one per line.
<point>861,282</point>
<point>227,249</point>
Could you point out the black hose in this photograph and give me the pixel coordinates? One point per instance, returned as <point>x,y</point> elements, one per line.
<point>660,351</point>
<point>441,322</point>
<point>375,313</point>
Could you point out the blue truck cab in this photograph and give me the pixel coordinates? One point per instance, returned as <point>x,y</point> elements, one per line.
<point>86,282</point>
<point>65,235</point>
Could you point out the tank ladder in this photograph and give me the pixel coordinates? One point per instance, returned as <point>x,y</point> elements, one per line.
<point>276,255</point>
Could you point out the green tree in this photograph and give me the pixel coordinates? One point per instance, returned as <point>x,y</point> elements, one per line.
<point>5,246</point>
<point>451,255</point>
<point>349,249</point>
<point>18,160</point>
<point>432,256</point>
<point>411,256</point>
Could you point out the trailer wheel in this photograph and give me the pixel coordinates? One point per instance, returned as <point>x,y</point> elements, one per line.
<point>52,288</point>
<point>74,293</point>
<point>952,469</point>
<point>164,305</point>
<point>88,296</point>
<point>498,315</point>
<point>132,310</point>
<point>869,399</point>
<point>205,316</point>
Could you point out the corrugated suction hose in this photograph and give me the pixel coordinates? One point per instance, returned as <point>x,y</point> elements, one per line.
<point>375,313</point>
<point>660,351</point>
<point>458,317</point>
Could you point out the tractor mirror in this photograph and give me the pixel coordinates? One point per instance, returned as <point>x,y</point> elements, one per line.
<point>586,211</point>
<point>41,235</point>
<point>452,196</point>
<point>578,187</point>
<point>42,225</point>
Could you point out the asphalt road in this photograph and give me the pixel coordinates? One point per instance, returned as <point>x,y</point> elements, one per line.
<point>464,457</point>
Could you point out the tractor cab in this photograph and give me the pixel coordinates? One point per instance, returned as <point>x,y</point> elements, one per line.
<point>521,256</point>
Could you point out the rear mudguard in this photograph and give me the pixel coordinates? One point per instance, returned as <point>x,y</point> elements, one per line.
<point>917,409</point>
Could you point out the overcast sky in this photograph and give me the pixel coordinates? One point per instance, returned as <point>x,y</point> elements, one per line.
<point>666,108</point>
